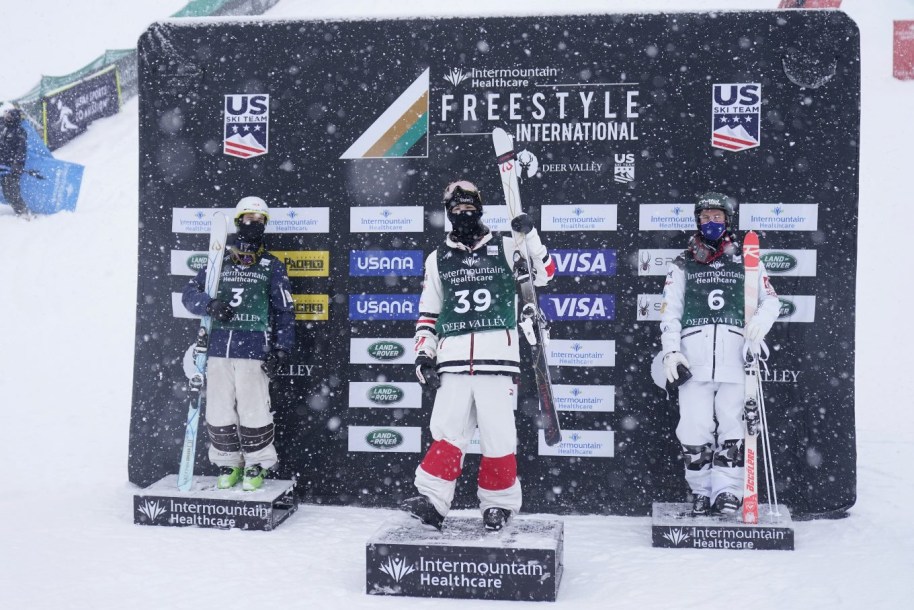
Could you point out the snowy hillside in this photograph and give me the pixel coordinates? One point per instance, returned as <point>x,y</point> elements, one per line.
<point>67,538</point>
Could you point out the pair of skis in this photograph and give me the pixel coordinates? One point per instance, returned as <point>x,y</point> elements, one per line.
<point>754,403</point>
<point>197,383</point>
<point>530,318</point>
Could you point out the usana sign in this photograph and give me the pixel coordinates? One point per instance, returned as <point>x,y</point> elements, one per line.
<point>350,131</point>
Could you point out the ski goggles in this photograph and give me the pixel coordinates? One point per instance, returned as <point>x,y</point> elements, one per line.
<point>240,257</point>
<point>251,217</point>
<point>462,191</point>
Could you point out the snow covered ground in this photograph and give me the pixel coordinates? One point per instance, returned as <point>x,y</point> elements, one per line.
<point>67,538</point>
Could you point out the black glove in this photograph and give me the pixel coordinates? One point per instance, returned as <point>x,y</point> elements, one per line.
<point>426,373</point>
<point>274,363</point>
<point>522,223</point>
<point>219,310</point>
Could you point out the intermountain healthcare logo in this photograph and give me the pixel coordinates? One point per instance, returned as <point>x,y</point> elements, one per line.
<point>282,220</point>
<point>736,113</point>
<point>779,216</point>
<point>581,217</point>
<point>247,122</point>
<point>397,568</point>
<point>397,131</point>
<point>584,398</point>
<point>666,217</point>
<point>376,219</point>
<point>580,443</point>
<point>677,536</point>
<point>152,510</point>
<point>583,353</point>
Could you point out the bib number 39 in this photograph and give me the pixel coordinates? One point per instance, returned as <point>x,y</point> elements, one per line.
<point>482,300</point>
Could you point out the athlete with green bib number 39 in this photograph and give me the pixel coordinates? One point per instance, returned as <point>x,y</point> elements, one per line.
<point>467,349</point>
<point>703,330</point>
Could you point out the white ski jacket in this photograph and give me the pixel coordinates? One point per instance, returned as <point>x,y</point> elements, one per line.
<point>714,351</point>
<point>490,352</point>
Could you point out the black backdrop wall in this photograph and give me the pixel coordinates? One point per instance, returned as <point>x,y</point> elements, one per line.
<point>351,129</point>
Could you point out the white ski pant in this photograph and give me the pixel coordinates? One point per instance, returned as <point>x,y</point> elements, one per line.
<point>462,402</point>
<point>711,433</point>
<point>238,416</point>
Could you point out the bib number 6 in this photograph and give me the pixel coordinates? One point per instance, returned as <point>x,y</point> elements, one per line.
<point>716,299</point>
<point>482,299</point>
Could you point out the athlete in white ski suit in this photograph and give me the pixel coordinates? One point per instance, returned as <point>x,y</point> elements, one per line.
<point>702,324</point>
<point>468,322</point>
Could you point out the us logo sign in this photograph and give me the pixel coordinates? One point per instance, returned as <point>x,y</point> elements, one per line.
<point>247,122</point>
<point>736,112</point>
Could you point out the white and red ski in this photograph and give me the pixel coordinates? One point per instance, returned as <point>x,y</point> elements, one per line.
<point>530,314</point>
<point>751,404</point>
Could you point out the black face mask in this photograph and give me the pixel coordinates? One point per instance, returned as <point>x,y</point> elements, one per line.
<point>467,227</point>
<point>251,233</point>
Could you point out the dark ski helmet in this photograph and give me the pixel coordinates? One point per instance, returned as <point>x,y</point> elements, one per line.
<point>462,191</point>
<point>715,201</point>
<point>466,226</point>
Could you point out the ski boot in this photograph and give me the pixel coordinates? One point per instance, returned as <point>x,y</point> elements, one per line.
<point>228,477</point>
<point>701,505</point>
<point>494,519</point>
<point>726,504</point>
<point>422,509</point>
<point>253,477</point>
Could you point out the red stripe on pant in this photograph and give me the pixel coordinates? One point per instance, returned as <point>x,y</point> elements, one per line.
<point>442,461</point>
<point>498,473</point>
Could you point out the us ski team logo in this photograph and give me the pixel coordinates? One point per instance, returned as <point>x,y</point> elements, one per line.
<point>736,112</point>
<point>247,125</point>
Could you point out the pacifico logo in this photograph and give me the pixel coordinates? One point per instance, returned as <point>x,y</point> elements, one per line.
<point>385,394</point>
<point>311,307</point>
<point>386,350</point>
<point>304,263</point>
<point>384,438</point>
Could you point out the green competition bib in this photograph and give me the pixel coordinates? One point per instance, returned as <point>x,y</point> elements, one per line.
<point>247,290</point>
<point>478,290</point>
<point>714,293</point>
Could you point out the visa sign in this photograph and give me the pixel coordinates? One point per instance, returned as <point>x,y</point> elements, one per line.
<point>383,306</point>
<point>385,262</point>
<point>584,262</point>
<point>573,307</point>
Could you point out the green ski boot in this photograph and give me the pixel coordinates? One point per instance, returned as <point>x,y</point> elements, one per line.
<point>228,477</point>
<point>253,478</point>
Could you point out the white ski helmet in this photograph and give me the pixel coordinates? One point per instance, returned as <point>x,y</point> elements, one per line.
<point>252,205</point>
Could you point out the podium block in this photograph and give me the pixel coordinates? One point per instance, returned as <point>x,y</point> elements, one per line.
<point>162,503</point>
<point>521,562</point>
<point>674,527</point>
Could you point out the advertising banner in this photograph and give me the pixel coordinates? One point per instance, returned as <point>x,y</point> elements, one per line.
<point>620,123</point>
<point>68,112</point>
